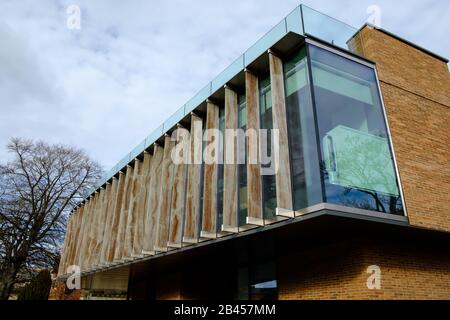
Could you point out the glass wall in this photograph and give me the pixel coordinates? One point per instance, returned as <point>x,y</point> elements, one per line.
<point>306,185</point>
<point>242,168</point>
<point>220,171</point>
<point>356,161</point>
<point>269,195</point>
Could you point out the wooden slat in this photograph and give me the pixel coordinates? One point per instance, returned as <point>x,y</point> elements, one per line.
<point>95,226</point>
<point>84,233</point>
<point>116,217</point>
<point>167,173</point>
<point>120,240</point>
<point>254,185</point>
<point>104,192</point>
<point>73,241</point>
<point>179,190</point>
<point>209,212</point>
<point>80,213</point>
<point>230,171</point>
<point>191,227</point>
<point>280,149</point>
<point>91,231</point>
<point>145,178</point>
<point>62,263</point>
<point>108,222</point>
<point>153,206</point>
<point>132,211</point>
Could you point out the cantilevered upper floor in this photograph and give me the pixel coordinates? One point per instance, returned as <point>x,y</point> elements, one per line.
<point>297,127</point>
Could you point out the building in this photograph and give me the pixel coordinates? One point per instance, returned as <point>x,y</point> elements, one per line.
<point>357,207</point>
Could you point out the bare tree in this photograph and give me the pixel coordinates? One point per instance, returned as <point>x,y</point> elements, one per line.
<point>37,190</point>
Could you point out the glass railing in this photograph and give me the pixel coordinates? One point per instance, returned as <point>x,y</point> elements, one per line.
<point>326,28</point>
<point>302,20</point>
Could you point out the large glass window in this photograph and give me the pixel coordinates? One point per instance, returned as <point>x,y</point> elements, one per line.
<point>306,185</point>
<point>269,195</point>
<point>220,171</point>
<point>242,168</point>
<point>357,165</point>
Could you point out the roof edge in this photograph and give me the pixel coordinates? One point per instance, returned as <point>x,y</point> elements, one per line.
<point>369,25</point>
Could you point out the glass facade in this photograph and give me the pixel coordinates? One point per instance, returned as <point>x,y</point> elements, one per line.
<point>269,193</point>
<point>242,168</point>
<point>306,184</point>
<point>220,172</point>
<point>356,163</point>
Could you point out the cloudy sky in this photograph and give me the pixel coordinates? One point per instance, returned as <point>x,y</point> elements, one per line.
<point>133,63</point>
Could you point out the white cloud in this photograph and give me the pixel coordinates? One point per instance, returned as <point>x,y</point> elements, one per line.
<point>133,63</point>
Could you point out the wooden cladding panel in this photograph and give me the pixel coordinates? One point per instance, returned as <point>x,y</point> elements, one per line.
<point>90,231</point>
<point>109,222</point>
<point>191,227</point>
<point>120,240</point>
<point>116,217</point>
<point>153,205</point>
<point>179,190</point>
<point>76,217</point>
<point>209,214</point>
<point>230,171</point>
<point>85,233</point>
<point>281,149</point>
<point>62,264</point>
<point>101,213</point>
<point>254,184</point>
<point>165,190</point>
<point>94,229</point>
<point>142,203</point>
<point>135,188</point>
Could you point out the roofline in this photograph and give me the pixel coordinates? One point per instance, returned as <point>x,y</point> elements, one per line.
<point>367,24</point>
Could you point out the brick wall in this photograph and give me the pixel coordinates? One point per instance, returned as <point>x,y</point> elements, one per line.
<point>416,91</point>
<point>339,271</point>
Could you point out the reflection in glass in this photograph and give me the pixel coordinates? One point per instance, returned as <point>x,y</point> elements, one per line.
<point>220,171</point>
<point>269,195</point>
<point>242,168</point>
<point>357,166</point>
<point>306,185</point>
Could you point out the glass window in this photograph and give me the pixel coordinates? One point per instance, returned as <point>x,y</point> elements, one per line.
<point>220,171</point>
<point>263,283</point>
<point>357,166</point>
<point>306,185</point>
<point>269,195</point>
<point>242,168</point>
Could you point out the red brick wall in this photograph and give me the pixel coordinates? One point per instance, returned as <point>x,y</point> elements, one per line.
<point>339,271</point>
<point>416,91</point>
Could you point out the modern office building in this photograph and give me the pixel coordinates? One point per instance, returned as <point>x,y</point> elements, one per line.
<point>357,207</point>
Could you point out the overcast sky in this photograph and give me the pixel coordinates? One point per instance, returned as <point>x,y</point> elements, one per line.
<point>106,86</point>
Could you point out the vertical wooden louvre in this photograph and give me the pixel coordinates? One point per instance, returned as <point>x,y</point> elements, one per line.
<point>254,193</point>
<point>153,206</point>
<point>116,217</point>
<point>179,189</point>
<point>81,214</point>
<point>90,232</point>
<point>230,172</point>
<point>108,222</point>
<point>120,240</point>
<point>209,212</point>
<point>144,187</point>
<point>191,225</point>
<point>165,190</point>
<point>132,209</point>
<point>281,149</point>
